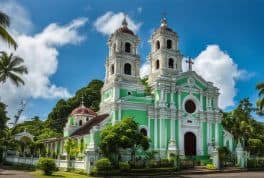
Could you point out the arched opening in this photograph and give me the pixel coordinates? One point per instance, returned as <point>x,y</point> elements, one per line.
<point>157,44</point>
<point>190,106</point>
<point>87,118</point>
<point>80,122</point>
<point>127,47</point>
<point>171,63</point>
<point>144,131</point>
<point>169,44</point>
<point>157,64</point>
<point>112,69</point>
<point>127,69</point>
<point>190,144</point>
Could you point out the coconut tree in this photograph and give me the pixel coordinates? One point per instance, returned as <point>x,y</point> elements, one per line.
<point>4,24</point>
<point>11,68</point>
<point>260,101</point>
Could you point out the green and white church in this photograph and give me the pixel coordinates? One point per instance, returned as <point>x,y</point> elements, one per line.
<point>181,115</point>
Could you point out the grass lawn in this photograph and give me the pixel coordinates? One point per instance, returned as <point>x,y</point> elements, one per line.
<point>59,174</point>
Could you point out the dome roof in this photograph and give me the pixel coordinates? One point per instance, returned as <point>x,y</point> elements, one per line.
<point>83,110</point>
<point>124,28</point>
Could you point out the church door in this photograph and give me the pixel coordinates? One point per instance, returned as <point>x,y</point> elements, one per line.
<point>190,144</point>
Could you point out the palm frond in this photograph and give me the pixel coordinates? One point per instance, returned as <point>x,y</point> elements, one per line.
<point>4,19</point>
<point>7,37</point>
<point>260,85</point>
<point>16,79</point>
<point>15,61</point>
<point>20,70</point>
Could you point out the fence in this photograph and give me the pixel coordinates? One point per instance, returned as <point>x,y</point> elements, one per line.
<point>33,161</point>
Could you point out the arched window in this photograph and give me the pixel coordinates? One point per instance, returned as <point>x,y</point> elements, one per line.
<point>127,69</point>
<point>157,44</point>
<point>171,63</point>
<point>87,118</point>
<point>157,64</point>
<point>144,131</point>
<point>112,69</point>
<point>80,122</point>
<point>127,47</point>
<point>169,44</point>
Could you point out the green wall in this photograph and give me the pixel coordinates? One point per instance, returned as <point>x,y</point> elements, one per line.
<point>139,116</point>
<point>205,147</point>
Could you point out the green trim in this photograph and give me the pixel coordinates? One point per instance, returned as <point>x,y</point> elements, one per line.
<point>177,132</point>
<point>205,147</point>
<point>158,133</point>
<point>220,134</point>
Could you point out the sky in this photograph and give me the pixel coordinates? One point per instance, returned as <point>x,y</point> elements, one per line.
<point>64,44</point>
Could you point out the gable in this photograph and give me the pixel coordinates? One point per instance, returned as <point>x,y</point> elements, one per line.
<point>191,79</point>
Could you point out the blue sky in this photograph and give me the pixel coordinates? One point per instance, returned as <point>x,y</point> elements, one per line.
<point>233,29</point>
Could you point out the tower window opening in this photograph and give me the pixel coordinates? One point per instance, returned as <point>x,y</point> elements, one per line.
<point>112,69</point>
<point>157,44</point>
<point>129,93</point>
<point>127,47</point>
<point>169,44</point>
<point>127,69</point>
<point>144,132</point>
<point>157,65</point>
<point>87,118</point>
<point>171,63</point>
<point>80,122</point>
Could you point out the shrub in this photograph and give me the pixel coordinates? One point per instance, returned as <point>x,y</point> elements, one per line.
<point>124,166</point>
<point>47,165</point>
<point>206,161</point>
<point>153,164</point>
<point>103,164</point>
<point>166,163</point>
<point>210,166</point>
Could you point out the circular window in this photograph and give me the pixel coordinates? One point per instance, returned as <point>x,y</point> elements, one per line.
<point>190,106</point>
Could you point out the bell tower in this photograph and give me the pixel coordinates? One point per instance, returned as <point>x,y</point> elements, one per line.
<point>123,62</point>
<point>165,58</point>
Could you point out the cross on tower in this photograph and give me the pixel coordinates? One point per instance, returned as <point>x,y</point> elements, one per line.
<point>190,63</point>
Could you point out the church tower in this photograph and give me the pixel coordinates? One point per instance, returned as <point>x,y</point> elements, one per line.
<point>165,58</point>
<point>122,67</point>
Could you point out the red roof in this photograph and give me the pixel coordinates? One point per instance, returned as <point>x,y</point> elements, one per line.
<point>83,110</point>
<point>125,30</point>
<point>85,129</point>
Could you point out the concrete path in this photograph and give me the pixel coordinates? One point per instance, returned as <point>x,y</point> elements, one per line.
<point>9,173</point>
<point>257,174</point>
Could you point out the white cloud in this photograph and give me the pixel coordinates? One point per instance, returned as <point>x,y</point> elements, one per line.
<point>40,54</point>
<point>145,69</point>
<point>217,66</point>
<point>110,21</point>
<point>20,20</point>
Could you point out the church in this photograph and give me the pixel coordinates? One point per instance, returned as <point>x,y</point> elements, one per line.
<point>181,112</point>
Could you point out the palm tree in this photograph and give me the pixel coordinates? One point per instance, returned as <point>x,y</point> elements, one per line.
<point>11,67</point>
<point>4,23</point>
<point>260,101</point>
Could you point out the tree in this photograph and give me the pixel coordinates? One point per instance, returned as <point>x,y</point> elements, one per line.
<point>144,81</point>
<point>11,68</point>
<point>260,101</point>
<point>71,148</point>
<point>57,118</point>
<point>4,24</point>
<point>123,135</point>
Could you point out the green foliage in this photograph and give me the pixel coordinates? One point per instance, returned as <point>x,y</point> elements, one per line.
<point>11,67</point>
<point>147,89</point>
<point>47,165</point>
<point>255,163</point>
<point>125,134</point>
<point>92,97</point>
<point>103,164</point>
<point>210,166</point>
<point>124,166</point>
<point>206,161</point>
<point>260,101</point>
<point>71,147</point>
<point>245,128</point>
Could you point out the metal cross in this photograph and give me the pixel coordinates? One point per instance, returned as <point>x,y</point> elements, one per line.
<point>190,63</point>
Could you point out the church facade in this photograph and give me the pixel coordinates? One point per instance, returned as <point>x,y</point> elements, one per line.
<point>181,113</point>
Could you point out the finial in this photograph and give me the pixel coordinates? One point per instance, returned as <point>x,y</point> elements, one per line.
<point>164,20</point>
<point>82,103</point>
<point>124,22</point>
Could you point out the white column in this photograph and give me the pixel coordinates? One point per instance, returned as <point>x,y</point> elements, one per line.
<point>216,134</point>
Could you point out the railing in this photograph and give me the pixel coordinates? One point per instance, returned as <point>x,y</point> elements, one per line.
<point>33,161</point>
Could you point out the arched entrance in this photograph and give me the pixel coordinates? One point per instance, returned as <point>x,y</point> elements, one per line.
<point>190,144</point>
